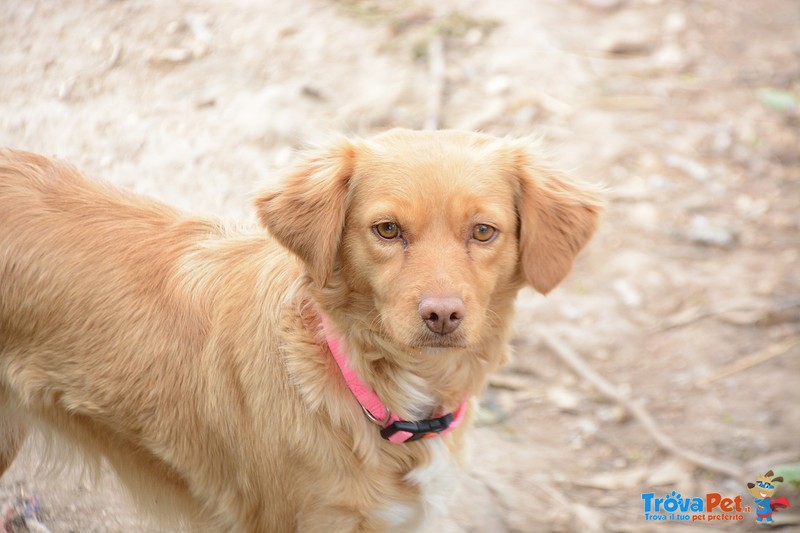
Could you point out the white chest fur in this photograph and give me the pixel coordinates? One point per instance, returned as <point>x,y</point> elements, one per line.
<point>436,481</point>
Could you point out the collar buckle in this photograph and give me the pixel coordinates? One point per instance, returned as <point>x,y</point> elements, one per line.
<point>408,431</point>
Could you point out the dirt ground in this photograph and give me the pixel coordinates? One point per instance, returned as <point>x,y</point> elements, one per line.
<point>688,300</point>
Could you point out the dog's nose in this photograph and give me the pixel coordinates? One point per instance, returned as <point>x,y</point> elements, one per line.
<point>442,315</point>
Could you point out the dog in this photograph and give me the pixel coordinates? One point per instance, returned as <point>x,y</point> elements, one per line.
<point>316,376</point>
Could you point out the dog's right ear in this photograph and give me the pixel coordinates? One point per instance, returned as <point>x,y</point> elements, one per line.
<point>557,218</point>
<point>307,214</point>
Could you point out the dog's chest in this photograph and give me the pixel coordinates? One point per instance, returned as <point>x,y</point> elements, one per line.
<point>436,482</point>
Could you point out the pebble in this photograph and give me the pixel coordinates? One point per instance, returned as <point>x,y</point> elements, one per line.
<point>702,231</point>
<point>497,85</point>
<point>170,55</point>
<point>563,398</point>
<point>603,5</point>
<point>630,42</point>
<point>675,22</point>
<point>629,294</point>
<point>644,215</point>
<point>670,57</point>
<point>691,167</point>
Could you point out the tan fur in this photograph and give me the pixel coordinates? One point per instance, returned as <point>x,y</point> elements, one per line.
<point>191,357</point>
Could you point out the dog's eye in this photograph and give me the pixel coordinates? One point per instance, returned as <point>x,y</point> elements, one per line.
<point>387,230</point>
<point>483,232</point>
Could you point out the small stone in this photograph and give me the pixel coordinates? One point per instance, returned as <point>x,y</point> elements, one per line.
<point>198,24</point>
<point>603,5</point>
<point>525,115</point>
<point>171,55</point>
<point>629,295</point>
<point>563,398</point>
<point>691,167</point>
<point>497,85</point>
<point>675,22</point>
<point>670,57</point>
<point>473,37</point>
<point>644,215</point>
<point>626,43</point>
<point>751,207</point>
<point>615,413</point>
<point>702,231</point>
<point>587,427</point>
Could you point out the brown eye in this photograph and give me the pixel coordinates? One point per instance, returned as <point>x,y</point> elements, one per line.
<point>483,232</point>
<point>387,230</point>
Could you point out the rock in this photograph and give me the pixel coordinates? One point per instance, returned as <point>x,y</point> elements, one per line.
<point>587,427</point>
<point>644,215</point>
<point>474,36</point>
<point>495,407</point>
<point>525,115</point>
<point>670,57</point>
<point>613,413</point>
<point>702,231</point>
<point>198,24</point>
<point>691,167</point>
<point>563,398</point>
<point>603,5</point>
<point>628,42</point>
<point>629,294</point>
<point>170,56</point>
<point>497,85</point>
<point>674,23</point>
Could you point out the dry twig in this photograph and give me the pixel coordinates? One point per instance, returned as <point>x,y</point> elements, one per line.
<point>579,366</point>
<point>770,352</point>
<point>691,316</point>
<point>436,70</point>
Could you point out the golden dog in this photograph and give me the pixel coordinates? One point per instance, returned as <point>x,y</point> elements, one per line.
<point>196,359</point>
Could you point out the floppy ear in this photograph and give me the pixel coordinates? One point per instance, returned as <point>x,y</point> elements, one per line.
<point>557,218</point>
<point>307,214</point>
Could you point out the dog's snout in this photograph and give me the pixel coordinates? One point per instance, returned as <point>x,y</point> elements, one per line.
<point>442,315</point>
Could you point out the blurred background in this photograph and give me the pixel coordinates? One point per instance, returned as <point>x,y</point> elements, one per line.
<point>686,304</point>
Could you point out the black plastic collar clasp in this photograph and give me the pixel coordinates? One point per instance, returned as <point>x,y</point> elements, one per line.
<point>419,429</point>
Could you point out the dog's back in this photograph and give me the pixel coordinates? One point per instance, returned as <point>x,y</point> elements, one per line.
<point>109,332</point>
<point>79,253</point>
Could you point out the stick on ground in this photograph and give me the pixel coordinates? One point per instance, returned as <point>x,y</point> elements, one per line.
<point>436,71</point>
<point>762,356</point>
<point>579,366</point>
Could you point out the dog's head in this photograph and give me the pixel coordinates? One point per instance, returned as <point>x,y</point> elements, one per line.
<point>764,487</point>
<point>430,234</point>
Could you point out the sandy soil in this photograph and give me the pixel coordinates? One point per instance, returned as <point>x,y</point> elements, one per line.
<point>687,110</point>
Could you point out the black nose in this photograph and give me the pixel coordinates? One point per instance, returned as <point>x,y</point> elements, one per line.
<point>442,315</point>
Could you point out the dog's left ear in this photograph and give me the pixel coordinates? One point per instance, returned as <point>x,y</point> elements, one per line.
<point>307,215</point>
<point>557,218</point>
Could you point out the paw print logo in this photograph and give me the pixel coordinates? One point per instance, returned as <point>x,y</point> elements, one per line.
<point>672,501</point>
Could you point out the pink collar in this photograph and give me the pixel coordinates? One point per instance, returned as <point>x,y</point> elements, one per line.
<point>393,428</point>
